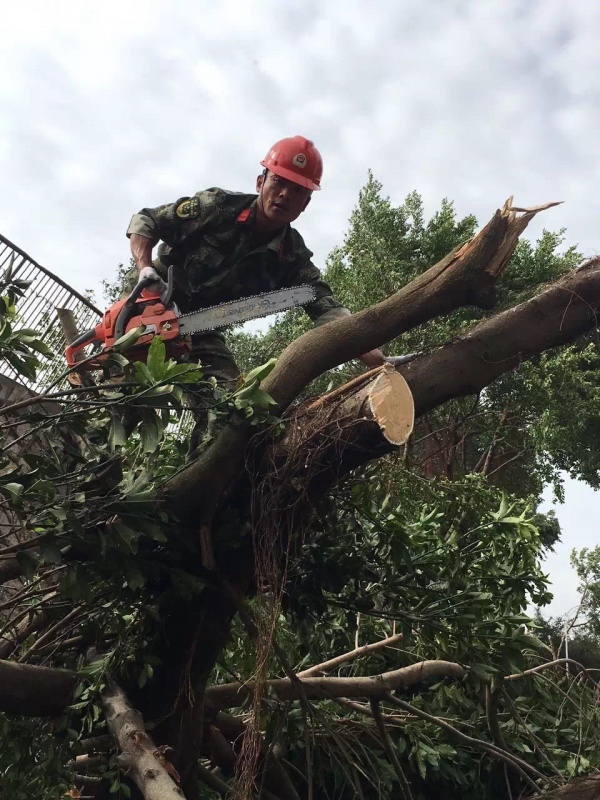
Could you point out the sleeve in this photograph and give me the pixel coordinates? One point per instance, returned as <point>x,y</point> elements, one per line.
<point>324,308</point>
<point>173,222</point>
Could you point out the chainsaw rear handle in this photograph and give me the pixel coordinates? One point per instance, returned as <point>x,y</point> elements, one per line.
<point>126,311</point>
<point>77,344</point>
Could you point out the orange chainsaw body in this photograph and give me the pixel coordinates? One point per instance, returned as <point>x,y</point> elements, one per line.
<point>147,311</point>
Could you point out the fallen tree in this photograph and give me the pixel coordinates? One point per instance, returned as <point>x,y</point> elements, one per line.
<point>280,475</point>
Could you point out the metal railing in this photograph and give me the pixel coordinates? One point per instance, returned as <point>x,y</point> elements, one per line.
<point>37,310</point>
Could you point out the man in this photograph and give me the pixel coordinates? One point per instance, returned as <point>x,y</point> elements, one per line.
<point>226,245</point>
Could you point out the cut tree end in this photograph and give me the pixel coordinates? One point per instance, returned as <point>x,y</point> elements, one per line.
<point>391,405</point>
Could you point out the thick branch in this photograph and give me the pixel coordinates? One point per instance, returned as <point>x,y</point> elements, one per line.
<point>555,317</point>
<point>579,789</point>
<point>232,694</point>
<point>34,691</point>
<point>144,763</point>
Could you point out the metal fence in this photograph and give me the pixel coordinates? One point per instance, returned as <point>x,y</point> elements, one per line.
<point>37,310</point>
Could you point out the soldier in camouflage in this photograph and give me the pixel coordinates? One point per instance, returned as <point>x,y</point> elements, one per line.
<point>226,245</point>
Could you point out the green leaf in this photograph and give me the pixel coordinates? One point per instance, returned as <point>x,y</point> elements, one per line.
<point>261,400</point>
<point>13,492</point>
<point>128,339</point>
<point>117,436</point>
<point>126,538</point>
<point>133,575</point>
<point>40,347</point>
<point>28,564</point>
<point>117,360</point>
<point>156,358</point>
<point>50,552</point>
<point>143,374</point>
<point>150,433</point>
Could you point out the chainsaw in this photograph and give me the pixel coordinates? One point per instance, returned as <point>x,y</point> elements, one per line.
<point>160,317</point>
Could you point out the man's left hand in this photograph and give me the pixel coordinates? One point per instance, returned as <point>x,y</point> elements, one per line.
<point>374,358</point>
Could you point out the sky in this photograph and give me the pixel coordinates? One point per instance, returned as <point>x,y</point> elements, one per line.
<point>107,108</point>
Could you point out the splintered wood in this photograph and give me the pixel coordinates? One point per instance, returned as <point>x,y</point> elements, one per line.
<point>391,404</point>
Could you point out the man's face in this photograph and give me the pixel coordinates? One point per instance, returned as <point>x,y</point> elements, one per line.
<point>282,200</point>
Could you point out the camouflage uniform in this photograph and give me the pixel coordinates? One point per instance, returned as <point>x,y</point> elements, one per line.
<point>210,240</point>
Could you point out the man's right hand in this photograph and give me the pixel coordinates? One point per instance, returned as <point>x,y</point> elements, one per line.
<point>158,285</point>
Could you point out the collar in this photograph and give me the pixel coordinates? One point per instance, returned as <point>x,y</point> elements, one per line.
<point>247,216</point>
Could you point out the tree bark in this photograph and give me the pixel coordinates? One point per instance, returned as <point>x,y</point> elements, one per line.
<point>228,695</point>
<point>578,789</point>
<point>139,756</point>
<point>34,691</point>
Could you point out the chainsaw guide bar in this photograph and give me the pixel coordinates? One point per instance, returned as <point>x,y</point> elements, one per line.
<point>237,311</point>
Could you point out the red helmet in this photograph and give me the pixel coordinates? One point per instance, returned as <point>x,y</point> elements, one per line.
<point>296,159</point>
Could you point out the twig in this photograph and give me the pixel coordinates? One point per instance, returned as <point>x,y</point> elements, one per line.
<point>47,635</point>
<point>547,665</point>
<point>389,749</point>
<point>325,666</point>
<point>27,544</point>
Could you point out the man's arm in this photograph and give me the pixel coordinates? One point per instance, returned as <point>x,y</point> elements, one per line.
<point>141,250</point>
<point>171,223</point>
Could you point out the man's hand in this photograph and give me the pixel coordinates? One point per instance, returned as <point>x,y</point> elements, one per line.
<point>374,358</point>
<point>158,285</point>
<point>397,361</point>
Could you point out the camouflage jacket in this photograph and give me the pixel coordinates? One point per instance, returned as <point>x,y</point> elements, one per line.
<point>210,240</point>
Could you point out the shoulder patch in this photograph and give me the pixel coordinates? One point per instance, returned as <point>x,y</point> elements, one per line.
<point>188,209</point>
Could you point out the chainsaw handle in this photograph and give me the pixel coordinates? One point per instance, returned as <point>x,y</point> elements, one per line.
<point>77,344</point>
<point>126,310</point>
